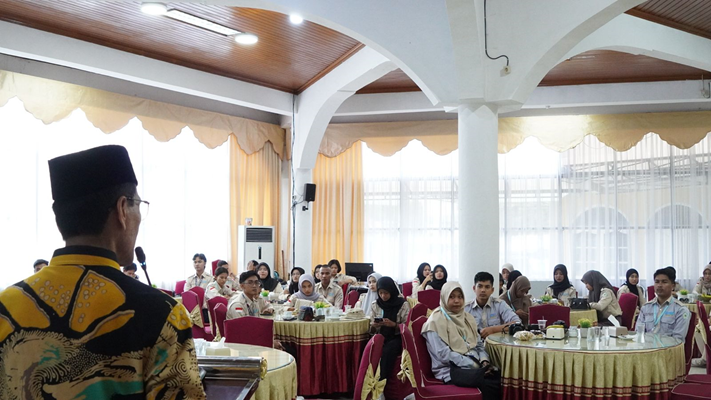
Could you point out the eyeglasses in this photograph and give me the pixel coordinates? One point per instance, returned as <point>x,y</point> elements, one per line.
<point>252,283</point>
<point>143,207</point>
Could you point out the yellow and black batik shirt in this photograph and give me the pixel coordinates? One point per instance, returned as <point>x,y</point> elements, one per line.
<point>81,329</point>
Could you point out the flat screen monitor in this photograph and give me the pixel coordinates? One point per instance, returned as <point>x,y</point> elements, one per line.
<point>360,271</point>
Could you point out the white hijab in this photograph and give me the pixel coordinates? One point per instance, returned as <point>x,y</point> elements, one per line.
<point>370,296</point>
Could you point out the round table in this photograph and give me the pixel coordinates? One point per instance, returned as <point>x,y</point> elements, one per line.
<point>328,352</point>
<point>575,369</point>
<point>694,309</point>
<point>280,380</point>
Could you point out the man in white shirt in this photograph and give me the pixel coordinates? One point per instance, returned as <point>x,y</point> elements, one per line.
<point>663,315</point>
<point>329,289</point>
<point>248,303</point>
<point>201,277</point>
<point>492,315</point>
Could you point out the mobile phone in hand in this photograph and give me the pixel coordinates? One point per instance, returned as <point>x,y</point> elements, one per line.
<point>378,320</point>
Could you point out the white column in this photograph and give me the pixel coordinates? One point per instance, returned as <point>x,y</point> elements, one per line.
<point>478,194</point>
<point>303,221</point>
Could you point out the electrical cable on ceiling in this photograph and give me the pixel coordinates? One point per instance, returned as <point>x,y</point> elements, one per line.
<point>486,45</point>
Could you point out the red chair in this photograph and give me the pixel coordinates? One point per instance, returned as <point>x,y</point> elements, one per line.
<point>220,312</point>
<point>701,378</point>
<point>214,266</point>
<point>423,391</point>
<point>615,289</point>
<point>166,291</point>
<point>419,310</point>
<point>650,293</point>
<point>250,330</point>
<point>689,391</point>
<point>352,298</point>
<point>430,298</point>
<point>549,312</point>
<point>191,303</point>
<point>179,287</point>
<point>407,289</point>
<point>201,294</point>
<point>689,342</point>
<point>425,360</point>
<point>628,304</point>
<point>370,359</point>
<point>344,287</point>
<point>211,309</point>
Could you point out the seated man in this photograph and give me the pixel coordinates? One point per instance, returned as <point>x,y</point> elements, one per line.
<point>248,302</point>
<point>39,264</point>
<point>130,270</point>
<point>663,314</point>
<point>201,277</point>
<point>492,315</point>
<point>329,289</point>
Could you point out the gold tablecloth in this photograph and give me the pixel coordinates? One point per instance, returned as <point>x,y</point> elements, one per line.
<point>536,373</point>
<point>577,315</point>
<point>280,381</point>
<point>325,332</point>
<point>694,309</point>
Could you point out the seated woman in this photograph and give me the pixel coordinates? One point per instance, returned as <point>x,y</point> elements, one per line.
<point>512,277</point>
<point>337,276</point>
<point>561,288</point>
<point>601,297</point>
<point>306,296</point>
<point>267,281</point>
<point>220,286</point>
<point>366,299</point>
<point>517,297</point>
<point>424,276</point>
<point>501,284</point>
<point>704,285</point>
<point>296,273</point>
<point>458,356</point>
<point>317,273</point>
<point>439,279</point>
<point>630,286</point>
<point>505,271</point>
<point>388,311</point>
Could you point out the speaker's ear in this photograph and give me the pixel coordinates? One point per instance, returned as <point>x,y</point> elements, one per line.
<point>309,192</point>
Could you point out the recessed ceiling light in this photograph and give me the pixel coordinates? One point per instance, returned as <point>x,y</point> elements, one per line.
<point>296,19</point>
<point>202,23</point>
<point>154,8</point>
<point>246,38</point>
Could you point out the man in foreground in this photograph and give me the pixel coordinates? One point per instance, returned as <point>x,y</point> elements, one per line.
<point>492,315</point>
<point>663,314</point>
<point>80,328</point>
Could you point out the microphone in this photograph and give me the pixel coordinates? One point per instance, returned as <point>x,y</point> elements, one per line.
<point>141,256</point>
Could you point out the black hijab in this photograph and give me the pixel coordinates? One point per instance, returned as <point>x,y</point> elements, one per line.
<point>512,277</point>
<point>438,283</point>
<point>294,286</point>
<point>269,283</point>
<point>392,306</point>
<point>633,288</point>
<point>421,272</point>
<point>560,286</point>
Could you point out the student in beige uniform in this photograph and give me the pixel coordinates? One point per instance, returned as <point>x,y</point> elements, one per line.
<point>601,297</point>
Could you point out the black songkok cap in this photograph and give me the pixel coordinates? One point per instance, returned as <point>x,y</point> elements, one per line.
<point>90,171</point>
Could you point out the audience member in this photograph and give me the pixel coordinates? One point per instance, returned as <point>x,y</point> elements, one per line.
<point>505,271</point>
<point>317,273</point>
<point>439,278</point>
<point>677,286</point>
<point>388,311</point>
<point>306,295</point>
<point>337,276</point>
<point>220,286</point>
<point>329,289</point>
<point>517,297</point>
<point>704,285</point>
<point>128,340</point>
<point>512,277</point>
<point>295,274</point>
<point>561,288</point>
<point>458,356</point>
<point>267,280</point>
<point>424,276</point>
<point>501,284</point>
<point>366,299</point>
<point>39,264</point>
<point>630,286</point>
<point>491,314</point>
<point>601,297</point>
<point>201,277</point>
<point>252,265</point>
<point>130,270</point>
<point>249,302</point>
<point>663,314</point>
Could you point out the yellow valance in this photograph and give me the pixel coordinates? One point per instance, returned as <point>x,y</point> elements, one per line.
<point>51,101</point>
<point>618,131</point>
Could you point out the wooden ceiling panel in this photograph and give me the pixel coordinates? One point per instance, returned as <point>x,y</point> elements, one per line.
<point>693,16</point>
<point>394,81</point>
<point>287,57</point>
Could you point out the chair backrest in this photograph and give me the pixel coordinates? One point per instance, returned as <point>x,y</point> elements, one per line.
<point>214,266</point>
<point>200,292</point>
<point>370,359</point>
<point>211,309</point>
<point>408,344</point>
<point>407,289</point>
<point>615,289</point>
<point>166,291</point>
<point>689,342</point>
<point>419,310</point>
<point>352,298</point>
<point>549,312</point>
<point>190,301</point>
<point>344,287</point>
<point>423,355</point>
<point>220,312</point>
<point>179,287</point>
<point>628,304</point>
<point>250,330</point>
<point>430,298</point>
<point>650,292</point>
<point>704,316</point>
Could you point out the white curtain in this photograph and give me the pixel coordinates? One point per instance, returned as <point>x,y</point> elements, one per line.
<point>186,183</point>
<point>589,208</point>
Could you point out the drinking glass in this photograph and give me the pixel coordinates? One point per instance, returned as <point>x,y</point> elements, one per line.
<point>542,324</point>
<point>594,334</point>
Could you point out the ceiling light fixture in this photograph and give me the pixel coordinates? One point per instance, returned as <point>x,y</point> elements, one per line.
<point>202,23</point>
<point>296,19</point>
<point>246,38</point>
<point>151,8</point>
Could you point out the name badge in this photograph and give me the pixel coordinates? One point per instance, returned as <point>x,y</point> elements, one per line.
<point>492,315</point>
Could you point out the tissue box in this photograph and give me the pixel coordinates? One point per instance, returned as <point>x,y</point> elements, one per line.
<point>219,351</point>
<point>617,330</point>
<point>555,333</point>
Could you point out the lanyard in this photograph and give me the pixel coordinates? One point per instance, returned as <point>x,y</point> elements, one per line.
<point>511,302</point>
<point>658,318</point>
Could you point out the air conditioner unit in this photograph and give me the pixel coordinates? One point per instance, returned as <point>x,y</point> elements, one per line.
<point>255,243</point>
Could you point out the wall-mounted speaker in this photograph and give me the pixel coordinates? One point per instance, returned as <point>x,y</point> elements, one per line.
<point>309,192</point>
